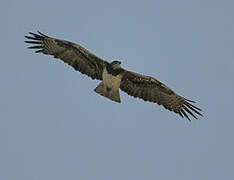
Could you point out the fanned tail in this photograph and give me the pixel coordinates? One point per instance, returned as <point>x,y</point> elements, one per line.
<point>110,93</point>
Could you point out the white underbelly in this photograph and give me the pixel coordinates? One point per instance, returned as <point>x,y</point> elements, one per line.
<point>111,81</point>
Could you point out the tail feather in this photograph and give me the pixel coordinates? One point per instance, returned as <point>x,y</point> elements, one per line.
<point>110,93</point>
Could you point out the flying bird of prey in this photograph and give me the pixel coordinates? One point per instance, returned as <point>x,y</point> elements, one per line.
<point>112,75</point>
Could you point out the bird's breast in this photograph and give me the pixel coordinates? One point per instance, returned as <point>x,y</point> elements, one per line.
<point>111,81</point>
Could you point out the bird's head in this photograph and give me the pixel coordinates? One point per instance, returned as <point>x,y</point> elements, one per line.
<point>115,64</point>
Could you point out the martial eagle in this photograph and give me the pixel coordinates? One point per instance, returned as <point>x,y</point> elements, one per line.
<point>112,75</point>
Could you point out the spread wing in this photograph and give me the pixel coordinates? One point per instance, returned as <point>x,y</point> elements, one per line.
<point>73,54</point>
<point>152,90</point>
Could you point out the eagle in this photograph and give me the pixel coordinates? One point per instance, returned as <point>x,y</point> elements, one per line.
<point>113,77</point>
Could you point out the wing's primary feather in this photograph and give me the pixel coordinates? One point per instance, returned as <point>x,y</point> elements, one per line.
<point>152,90</point>
<point>73,54</point>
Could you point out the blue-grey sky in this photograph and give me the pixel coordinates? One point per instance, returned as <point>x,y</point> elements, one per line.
<point>54,126</point>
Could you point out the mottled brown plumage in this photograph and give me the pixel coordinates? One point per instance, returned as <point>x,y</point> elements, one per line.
<point>113,76</point>
<point>73,54</point>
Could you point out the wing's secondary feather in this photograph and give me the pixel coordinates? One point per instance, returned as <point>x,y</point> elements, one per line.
<point>73,54</point>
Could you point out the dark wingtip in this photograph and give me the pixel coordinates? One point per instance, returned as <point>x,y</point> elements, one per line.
<point>187,107</point>
<point>33,42</point>
<point>184,113</point>
<point>189,100</point>
<point>42,34</point>
<point>35,47</point>
<point>39,35</point>
<point>34,34</point>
